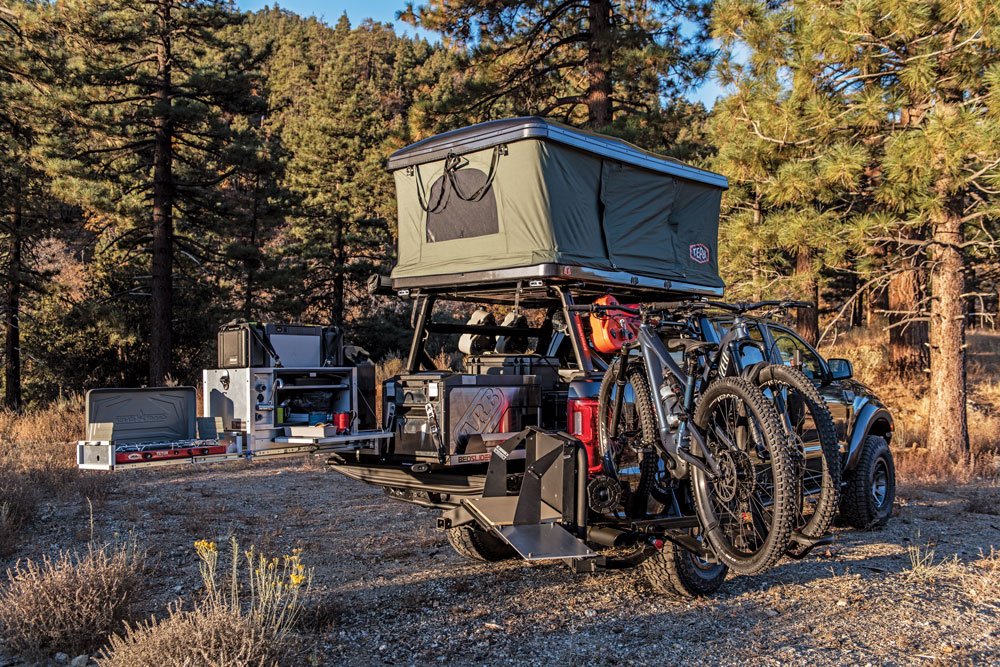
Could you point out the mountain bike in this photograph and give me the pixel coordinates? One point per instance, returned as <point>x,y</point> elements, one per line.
<point>667,425</point>
<point>805,419</point>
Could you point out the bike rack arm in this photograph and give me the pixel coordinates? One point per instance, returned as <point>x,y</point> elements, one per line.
<point>422,308</point>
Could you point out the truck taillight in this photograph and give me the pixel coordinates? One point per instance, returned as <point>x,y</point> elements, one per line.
<point>581,420</point>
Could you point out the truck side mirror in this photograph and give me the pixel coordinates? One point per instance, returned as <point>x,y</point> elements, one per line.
<point>840,369</point>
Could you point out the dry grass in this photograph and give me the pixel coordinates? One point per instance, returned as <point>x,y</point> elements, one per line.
<point>247,616</point>
<point>203,636</point>
<point>38,461</point>
<point>71,603</point>
<point>39,443</point>
<point>19,499</point>
<point>910,405</point>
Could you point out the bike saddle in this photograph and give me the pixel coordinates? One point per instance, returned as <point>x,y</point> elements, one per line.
<point>689,345</point>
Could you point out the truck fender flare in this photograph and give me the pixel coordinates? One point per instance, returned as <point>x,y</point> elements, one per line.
<point>867,418</point>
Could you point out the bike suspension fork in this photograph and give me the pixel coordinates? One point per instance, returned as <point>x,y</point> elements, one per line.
<point>621,379</point>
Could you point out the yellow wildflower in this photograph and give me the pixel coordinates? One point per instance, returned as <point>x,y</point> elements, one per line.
<point>205,547</point>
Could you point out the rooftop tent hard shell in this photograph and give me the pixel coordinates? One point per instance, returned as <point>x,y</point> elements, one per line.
<point>528,192</point>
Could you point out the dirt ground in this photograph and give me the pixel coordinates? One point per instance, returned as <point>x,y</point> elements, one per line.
<point>389,589</point>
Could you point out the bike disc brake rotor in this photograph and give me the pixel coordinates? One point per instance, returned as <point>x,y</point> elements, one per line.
<point>736,483</point>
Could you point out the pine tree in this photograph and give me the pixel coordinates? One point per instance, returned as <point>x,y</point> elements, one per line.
<point>28,213</point>
<point>584,62</point>
<point>154,89</point>
<point>789,169</point>
<point>915,86</point>
<point>928,77</point>
<point>338,140</point>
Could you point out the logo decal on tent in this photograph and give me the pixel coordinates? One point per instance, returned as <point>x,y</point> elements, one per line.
<point>699,253</point>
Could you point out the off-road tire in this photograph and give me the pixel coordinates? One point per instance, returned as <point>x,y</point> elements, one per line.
<point>782,471</point>
<point>646,414</point>
<point>858,505</point>
<point>476,544</point>
<point>674,571</point>
<point>828,503</point>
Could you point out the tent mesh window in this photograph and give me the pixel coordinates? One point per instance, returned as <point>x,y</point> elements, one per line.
<point>461,205</point>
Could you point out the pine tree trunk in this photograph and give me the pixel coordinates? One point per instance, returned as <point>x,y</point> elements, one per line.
<point>758,261</point>
<point>599,64</point>
<point>339,285</point>
<point>250,288</point>
<point>12,311</point>
<point>908,351</point>
<point>878,298</point>
<point>161,307</point>
<point>877,302</point>
<point>807,319</point>
<point>949,430</point>
<point>860,301</point>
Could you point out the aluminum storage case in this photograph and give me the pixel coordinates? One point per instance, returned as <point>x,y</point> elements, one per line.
<point>455,418</point>
<point>264,402</point>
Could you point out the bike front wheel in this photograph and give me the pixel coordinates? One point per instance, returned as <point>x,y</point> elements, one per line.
<point>748,511</point>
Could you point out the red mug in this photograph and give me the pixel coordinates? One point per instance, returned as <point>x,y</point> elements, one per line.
<point>342,420</point>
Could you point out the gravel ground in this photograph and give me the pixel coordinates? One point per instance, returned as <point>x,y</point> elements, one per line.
<point>389,590</point>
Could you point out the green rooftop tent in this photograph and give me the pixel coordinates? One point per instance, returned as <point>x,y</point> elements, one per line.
<point>527,196</point>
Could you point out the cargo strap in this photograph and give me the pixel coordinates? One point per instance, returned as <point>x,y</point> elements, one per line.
<point>435,432</point>
<point>453,163</point>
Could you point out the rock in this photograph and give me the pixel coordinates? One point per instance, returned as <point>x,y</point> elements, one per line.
<point>80,661</point>
<point>841,603</point>
<point>178,589</point>
<point>770,613</point>
<point>61,658</point>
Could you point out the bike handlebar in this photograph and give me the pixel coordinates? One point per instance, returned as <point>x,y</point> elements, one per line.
<point>599,308</point>
<point>740,307</point>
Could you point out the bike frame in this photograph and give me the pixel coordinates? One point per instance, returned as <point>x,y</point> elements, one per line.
<point>658,363</point>
<point>660,366</point>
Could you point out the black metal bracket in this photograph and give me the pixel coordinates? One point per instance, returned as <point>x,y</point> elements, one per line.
<point>801,545</point>
<point>540,479</point>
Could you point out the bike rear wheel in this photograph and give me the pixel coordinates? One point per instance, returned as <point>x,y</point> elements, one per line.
<point>809,428</point>
<point>748,512</point>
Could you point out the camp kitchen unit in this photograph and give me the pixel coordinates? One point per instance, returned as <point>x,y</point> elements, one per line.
<point>255,405</point>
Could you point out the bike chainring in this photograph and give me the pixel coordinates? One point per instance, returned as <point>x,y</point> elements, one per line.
<point>604,494</point>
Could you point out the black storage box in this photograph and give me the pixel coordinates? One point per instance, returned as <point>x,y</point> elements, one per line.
<point>462,407</point>
<point>239,346</point>
<point>246,345</point>
<point>545,369</point>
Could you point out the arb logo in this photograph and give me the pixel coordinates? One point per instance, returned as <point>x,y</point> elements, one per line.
<point>699,253</point>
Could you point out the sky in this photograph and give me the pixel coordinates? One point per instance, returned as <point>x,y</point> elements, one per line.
<point>385,11</point>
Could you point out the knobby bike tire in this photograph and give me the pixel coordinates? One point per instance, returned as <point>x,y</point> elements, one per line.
<point>634,498</point>
<point>776,457</point>
<point>828,501</point>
